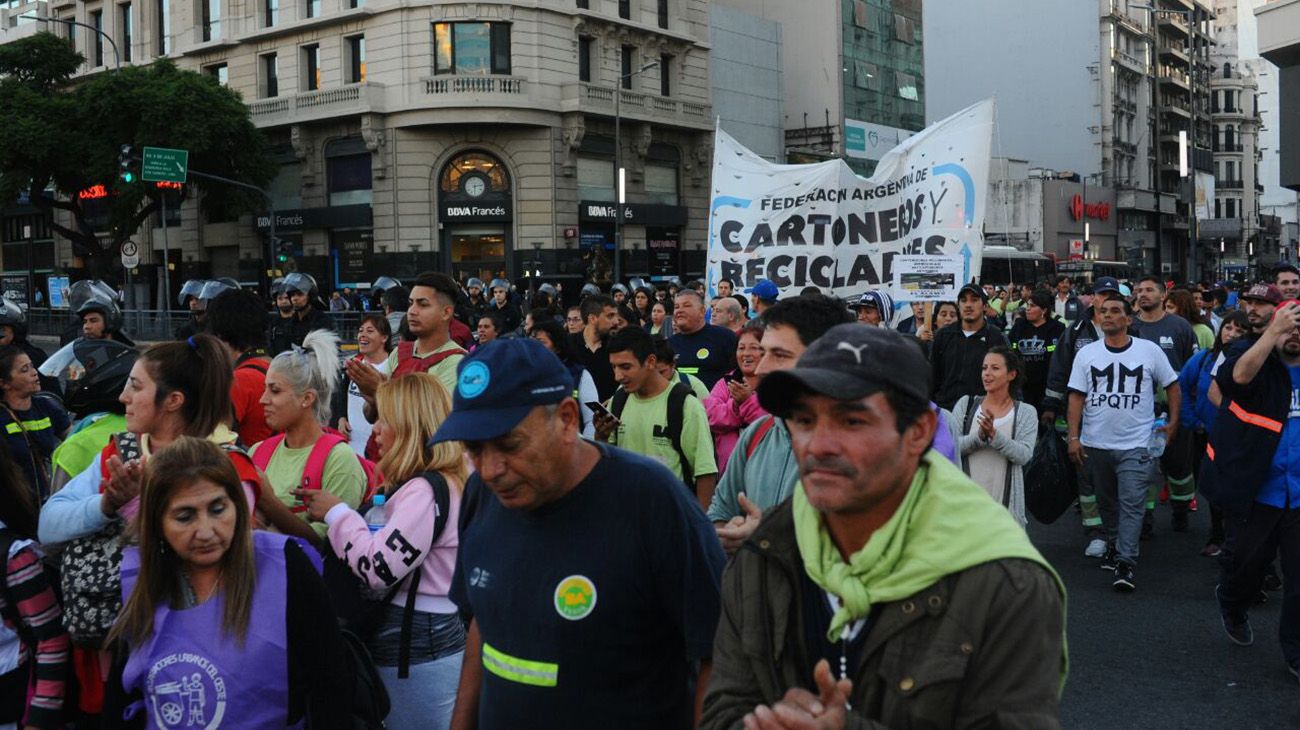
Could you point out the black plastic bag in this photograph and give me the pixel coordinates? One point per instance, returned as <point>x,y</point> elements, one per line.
<point>1050,486</point>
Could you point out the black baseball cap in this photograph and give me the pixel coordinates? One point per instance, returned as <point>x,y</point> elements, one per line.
<point>973,288</point>
<point>849,362</point>
<point>1105,284</point>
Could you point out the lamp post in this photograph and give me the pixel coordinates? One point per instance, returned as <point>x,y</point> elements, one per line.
<point>620,178</point>
<point>117,57</point>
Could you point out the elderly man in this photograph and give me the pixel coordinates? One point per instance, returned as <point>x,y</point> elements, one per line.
<point>706,351</point>
<point>886,565</point>
<point>584,609</point>
<point>726,313</point>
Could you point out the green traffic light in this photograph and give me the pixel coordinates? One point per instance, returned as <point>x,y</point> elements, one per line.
<point>128,177</point>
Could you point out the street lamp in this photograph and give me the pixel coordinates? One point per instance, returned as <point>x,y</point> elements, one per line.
<point>117,57</point>
<point>618,169</point>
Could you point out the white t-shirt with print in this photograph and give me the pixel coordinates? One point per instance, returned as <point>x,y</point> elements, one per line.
<point>1119,392</point>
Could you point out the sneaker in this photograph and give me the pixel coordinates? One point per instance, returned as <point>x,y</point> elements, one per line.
<point>1096,548</point>
<point>1123,582</point>
<point>1193,505</point>
<point>1180,520</point>
<point>1239,633</point>
<point>1211,550</point>
<point>1110,559</point>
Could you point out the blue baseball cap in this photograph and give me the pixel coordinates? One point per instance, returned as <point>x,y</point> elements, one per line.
<point>1105,284</point>
<point>499,385</point>
<point>766,291</point>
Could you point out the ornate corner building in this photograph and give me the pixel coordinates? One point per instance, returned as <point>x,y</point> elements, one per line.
<point>475,138</point>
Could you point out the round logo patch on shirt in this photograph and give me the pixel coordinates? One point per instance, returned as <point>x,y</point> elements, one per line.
<point>575,597</point>
<point>474,379</point>
<point>702,353</point>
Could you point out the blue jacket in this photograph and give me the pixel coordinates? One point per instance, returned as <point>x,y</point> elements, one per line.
<point>1246,434</point>
<point>1197,411</point>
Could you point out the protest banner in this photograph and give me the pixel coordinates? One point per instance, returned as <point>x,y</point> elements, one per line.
<point>822,225</point>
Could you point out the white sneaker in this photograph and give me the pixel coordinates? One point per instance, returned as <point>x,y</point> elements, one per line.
<point>1096,548</point>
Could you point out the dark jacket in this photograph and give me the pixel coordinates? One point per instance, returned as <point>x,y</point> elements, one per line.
<point>285,333</point>
<point>979,648</point>
<point>956,361</point>
<point>1073,307</point>
<point>1078,335</point>
<point>1246,433</point>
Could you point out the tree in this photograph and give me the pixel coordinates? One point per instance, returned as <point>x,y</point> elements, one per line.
<point>61,138</point>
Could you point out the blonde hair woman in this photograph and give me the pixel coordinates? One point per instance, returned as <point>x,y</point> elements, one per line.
<point>419,665</point>
<point>217,610</point>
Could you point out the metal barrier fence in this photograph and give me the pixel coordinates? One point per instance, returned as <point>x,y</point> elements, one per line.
<point>156,325</point>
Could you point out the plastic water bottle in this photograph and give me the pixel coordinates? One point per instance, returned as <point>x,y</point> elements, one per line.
<point>377,516</point>
<point>1156,446</point>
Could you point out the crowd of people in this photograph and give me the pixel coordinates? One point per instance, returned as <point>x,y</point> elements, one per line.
<point>654,507</point>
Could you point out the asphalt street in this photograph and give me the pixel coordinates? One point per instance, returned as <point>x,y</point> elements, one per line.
<point>1158,657</point>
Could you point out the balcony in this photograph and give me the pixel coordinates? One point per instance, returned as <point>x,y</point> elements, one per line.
<point>1129,61</point>
<point>320,104</point>
<point>1169,75</point>
<point>1175,51</point>
<point>1228,185</point>
<point>465,89</point>
<point>634,105</point>
<point>1127,105</point>
<point>1179,108</point>
<point>1172,20</point>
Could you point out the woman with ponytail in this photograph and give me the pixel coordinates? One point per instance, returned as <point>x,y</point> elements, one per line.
<point>299,386</point>
<point>174,389</point>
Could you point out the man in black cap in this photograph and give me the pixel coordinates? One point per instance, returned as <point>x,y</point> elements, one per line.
<point>591,575</point>
<point>886,560</point>
<point>957,353</point>
<point>1085,331</point>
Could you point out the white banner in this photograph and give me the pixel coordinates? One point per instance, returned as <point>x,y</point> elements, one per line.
<point>821,225</point>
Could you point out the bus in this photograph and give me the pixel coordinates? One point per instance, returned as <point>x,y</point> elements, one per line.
<point>1005,265</point>
<point>1090,270</point>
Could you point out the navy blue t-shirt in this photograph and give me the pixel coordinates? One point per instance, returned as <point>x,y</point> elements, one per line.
<point>42,426</point>
<point>591,607</point>
<point>707,354</point>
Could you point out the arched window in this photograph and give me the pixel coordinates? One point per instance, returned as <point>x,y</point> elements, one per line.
<point>474,164</point>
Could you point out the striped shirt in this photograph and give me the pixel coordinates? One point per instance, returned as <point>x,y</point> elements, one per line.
<point>38,619</point>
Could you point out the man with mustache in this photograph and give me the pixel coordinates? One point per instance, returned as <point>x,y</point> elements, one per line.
<point>1254,464</point>
<point>889,591</point>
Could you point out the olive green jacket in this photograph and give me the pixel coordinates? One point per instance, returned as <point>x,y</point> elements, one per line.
<point>980,648</point>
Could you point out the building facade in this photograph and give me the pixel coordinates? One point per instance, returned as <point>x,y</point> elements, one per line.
<point>746,65</point>
<point>1278,24</point>
<point>475,138</point>
<point>854,76</point>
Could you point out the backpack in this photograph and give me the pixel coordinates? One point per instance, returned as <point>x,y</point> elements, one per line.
<point>370,700</point>
<point>90,567</point>
<point>314,470</point>
<point>7,539</point>
<point>673,430</point>
<point>759,432</point>
<point>360,615</point>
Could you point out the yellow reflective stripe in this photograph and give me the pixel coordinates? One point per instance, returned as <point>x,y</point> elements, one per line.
<point>514,669</point>
<point>689,371</point>
<point>39,424</point>
<point>1051,348</point>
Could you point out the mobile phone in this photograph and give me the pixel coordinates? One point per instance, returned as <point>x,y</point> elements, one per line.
<point>598,407</point>
<point>729,377</point>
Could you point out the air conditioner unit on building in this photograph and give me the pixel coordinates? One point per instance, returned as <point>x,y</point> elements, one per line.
<point>1166,268</point>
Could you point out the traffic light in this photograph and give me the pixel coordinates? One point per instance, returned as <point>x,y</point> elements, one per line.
<point>283,251</point>
<point>124,162</point>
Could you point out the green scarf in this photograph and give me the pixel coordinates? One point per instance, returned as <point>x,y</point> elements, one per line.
<point>944,525</point>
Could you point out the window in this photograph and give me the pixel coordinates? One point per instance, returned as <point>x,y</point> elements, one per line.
<point>97,21</point>
<point>595,179</point>
<point>666,74</point>
<point>1218,207</point>
<point>71,30</point>
<point>126,24</point>
<point>861,14</point>
<point>1230,208</point>
<point>478,164</point>
<point>163,41</point>
<point>211,10</point>
<point>270,76</point>
<point>347,163</point>
<point>663,15</point>
<point>311,67</point>
<point>625,69</point>
<point>270,13</point>
<point>904,28</point>
<point>625,9</point>
<point>584,58</point>
<point>661,184</point>
<point>471,48</point>
<point>312,9</point>
<point>866,75</point>
<point>584,5</point>
<point>218,71</point>
<point>907,86</point>
<point>356,46</point>
<point>355,3</point>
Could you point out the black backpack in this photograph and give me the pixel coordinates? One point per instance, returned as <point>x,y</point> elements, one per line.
<point>673,429</point>
<point>370,701</point>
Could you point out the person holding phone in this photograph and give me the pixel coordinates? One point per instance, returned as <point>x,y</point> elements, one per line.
<point>732,404</point>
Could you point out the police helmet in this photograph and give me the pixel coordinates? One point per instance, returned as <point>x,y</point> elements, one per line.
<point>619,288</point>
<point>474,282</point>
<point>189,289</point>
<point>91,374</point>
<point>277,286</point>
<point>637,283</point>
<point>212,288</point>
<point>590,290</point>
<point>93,295</point>
<point>300,282</point>
<point>548,289</point>
<point>500,284</point>
<point>384,283</point>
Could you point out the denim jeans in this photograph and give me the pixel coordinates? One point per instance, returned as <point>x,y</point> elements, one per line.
<point>424,699</point>
<point>1121,479</point>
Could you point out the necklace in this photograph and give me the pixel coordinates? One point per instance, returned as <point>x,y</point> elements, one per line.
<point>200,600</point>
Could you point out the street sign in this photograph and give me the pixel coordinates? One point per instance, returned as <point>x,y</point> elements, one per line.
<point>130,255</point>
<point>163,164</point>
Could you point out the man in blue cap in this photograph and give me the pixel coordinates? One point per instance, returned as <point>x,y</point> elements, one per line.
<point>764,295</point>
<point>592,577</point>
